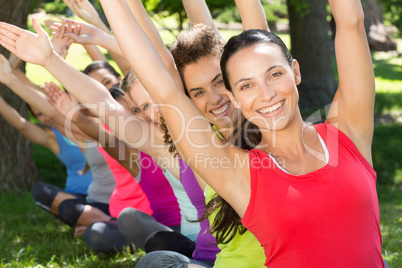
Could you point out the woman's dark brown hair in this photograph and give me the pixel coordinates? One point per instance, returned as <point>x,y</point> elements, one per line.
<point>98,64</point>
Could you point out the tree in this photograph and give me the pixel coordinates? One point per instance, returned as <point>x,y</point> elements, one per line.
<point>17,170</point>
<point>310,45</point>
<point>165,8</point>
<point>378,38</point>
<point>393,12</point>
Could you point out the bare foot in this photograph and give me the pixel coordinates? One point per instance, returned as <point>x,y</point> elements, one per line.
<point>79,231</point>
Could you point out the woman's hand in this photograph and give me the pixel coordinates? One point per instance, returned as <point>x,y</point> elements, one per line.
<point>84,9</point>
<point>28,46</point>
<point>66,104</point>
<point>80,32</point>
<point>61,42</point>
<point>5,70</point>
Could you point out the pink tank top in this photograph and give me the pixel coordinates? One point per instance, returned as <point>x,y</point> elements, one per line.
<point>159,192</point>
<point>127,192</point>
<point>326,218</point>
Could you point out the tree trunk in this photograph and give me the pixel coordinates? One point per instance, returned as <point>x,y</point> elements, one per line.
<point>310,45</point>
<point>17,169</point>
<point>378,37</point>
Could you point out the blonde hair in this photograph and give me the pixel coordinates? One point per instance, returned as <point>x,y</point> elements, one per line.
<point>127,83</point>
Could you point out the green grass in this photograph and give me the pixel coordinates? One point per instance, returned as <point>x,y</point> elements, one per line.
<point>387,153</point>
<point>390,199</point>
<point>33,238</point>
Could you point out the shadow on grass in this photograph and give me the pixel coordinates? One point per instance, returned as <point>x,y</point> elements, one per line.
<point>387,152</point>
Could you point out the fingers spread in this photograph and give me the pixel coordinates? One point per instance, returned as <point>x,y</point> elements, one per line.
<point>11,28</point>
<point>38,28</point>
<point>10,46</point>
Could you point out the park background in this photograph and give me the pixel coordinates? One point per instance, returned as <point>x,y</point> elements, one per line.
<point>30,237</point>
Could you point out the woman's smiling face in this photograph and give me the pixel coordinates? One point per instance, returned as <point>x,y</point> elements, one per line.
<point>264,85</point>
<point>204,85</point>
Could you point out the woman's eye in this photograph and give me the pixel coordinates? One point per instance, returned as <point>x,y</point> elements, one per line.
<point>146,106</point>
<point>199,93</point>
<point>219,82</point>
<point>136,110</point>
<point>245,86</point>
<point>276,74</point>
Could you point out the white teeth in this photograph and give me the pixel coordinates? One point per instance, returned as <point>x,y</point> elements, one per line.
<point>272,108</point>
<point>221,110</point>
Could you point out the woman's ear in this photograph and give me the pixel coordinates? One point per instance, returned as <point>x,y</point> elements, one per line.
<point>296,70</point>
<point>233,100</point>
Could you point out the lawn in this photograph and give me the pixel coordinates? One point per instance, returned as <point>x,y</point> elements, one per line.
<point>33,238</point>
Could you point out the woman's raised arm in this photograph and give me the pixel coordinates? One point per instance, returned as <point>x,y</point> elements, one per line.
<point>92,127</point>
<point>353,106</point>
<point>30,130</point>
<point>198,12</point>
<point>32,96</point>
<point>193,133</point>
<point>37,49</point>
<point>252,14</point>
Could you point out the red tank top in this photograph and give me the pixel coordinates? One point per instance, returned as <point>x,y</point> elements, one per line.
<point>326,218</point>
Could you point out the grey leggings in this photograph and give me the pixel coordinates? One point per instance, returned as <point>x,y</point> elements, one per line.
<point>168,259</point>
<point>106,237</point>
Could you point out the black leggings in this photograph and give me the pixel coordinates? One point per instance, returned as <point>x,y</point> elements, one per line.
<point>70,209</point>
<point>44,194</point>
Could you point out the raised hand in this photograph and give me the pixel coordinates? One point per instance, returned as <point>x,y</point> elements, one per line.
<point>66,104</point>
<point>81,32</point>
<point>28,46</point>
<point>5,70</point>
<point>61,42</point>
<point>84,9</point>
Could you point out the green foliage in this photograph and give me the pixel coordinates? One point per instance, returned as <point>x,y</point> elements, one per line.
<point>52,7</point>
<point>274,11</point>
<point>393,12</point>
<point>167,8</point>
<point>301,7</point>
<point>34,5</point>
<point>55,7</point>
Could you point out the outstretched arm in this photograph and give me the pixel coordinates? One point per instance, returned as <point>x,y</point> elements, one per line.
<point>353,106</point>
<point>252,14</point>
<point>89,35</point>
<point>198,12</point>
<point>91,126</point>
<point>30,131</point>
<point>85,10</point>
<point>32,96</point>
<point>37,49</point>
<point>190,129</point>
<point>145,22</point>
